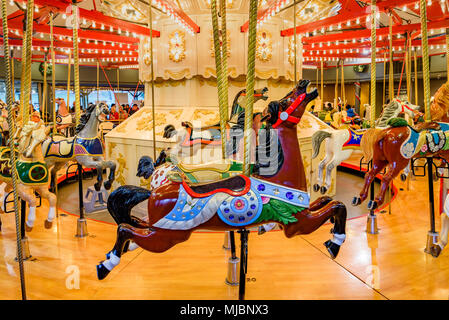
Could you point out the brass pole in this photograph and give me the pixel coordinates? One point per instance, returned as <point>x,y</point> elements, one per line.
<point>76,69</point>
<point>53,69</point>
<point>294,40</point>
<point>425,59</point>
<point>415,60</point>
<point>251,65</point>
<point>322,84</point>
<point>373,64</point>
<point>150,16</point>
<point>391,75</point>
<point>384,81</point>
<point>69,65</point>
<point>336,85</point>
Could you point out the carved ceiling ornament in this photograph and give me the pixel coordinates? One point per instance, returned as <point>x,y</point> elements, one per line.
<point>264,46</point>
<point>177,46</point>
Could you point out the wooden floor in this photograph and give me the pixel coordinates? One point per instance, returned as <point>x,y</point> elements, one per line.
<point>390,265</point>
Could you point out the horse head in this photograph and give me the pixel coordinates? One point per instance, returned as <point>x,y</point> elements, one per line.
<point>31,136</point>
<point>101,111</point>
<point>289,110</point>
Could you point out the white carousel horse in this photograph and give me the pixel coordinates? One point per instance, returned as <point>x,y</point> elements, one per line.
<point>86,147</point>
<point>32,171</point>
<point>341,143</point>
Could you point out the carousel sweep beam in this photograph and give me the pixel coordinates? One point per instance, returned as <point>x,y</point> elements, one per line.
<point>69,45</point>
<point>272,6</point>
<point>365,33</point>
<point>384,43</point>
<point>97,17</point>
<point>442,24</point>
<point>351,13</point>
<point>82,34</point>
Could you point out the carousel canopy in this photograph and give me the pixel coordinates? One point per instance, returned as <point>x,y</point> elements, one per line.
<point>329,30</point>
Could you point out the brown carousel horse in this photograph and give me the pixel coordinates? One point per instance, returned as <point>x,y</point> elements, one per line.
<point>394,147</point>
<point>278,194</point>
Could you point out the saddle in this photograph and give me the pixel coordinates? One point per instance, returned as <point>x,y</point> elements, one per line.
<point>234,186</point>
<point>220,167</point>
<point>60,148</point>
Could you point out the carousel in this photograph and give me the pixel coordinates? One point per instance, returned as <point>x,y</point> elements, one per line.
<point>275,149</point>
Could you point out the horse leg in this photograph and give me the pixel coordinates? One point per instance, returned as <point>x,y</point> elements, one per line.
<point>321,167</point>
<point>53,174</point>
<point>91,162</point>
<point>309,221</point>
<point>329,167</point>
<point>27,194</point>
<point>112,166</point>
<point>443,235</point>
<point>393,170</point>
<point>159,240</point>
<point>51,197</point>
<point>378,166</point>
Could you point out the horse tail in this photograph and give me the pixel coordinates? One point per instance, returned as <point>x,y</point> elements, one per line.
<point>122,200</point>
<point>369,138</point>
<point>317,138</point>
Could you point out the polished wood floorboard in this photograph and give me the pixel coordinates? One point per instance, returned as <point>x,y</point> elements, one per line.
<point>390,265</point>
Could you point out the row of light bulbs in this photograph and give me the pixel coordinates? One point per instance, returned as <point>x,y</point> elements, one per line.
<point>129,66</point>
<point>361,40</point>
<point>357,20</point>
<point>268,14</point>
<point>174,16</point>
<point>95,60</point>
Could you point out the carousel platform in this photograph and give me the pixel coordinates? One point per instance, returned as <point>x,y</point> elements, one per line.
<point>390,265</point>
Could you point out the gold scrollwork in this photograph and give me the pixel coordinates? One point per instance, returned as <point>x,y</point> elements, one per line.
<point>177,46</point>
<point>185,73</point>
<point>264,45</point>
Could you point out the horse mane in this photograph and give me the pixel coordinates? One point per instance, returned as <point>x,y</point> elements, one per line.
<point>440,104</point>
<point>84,118</point>
<point>234,103</point>
<point>387,114</point>
<point>264,166</point>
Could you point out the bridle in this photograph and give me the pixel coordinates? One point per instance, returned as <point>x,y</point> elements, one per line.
<point>286,115</point>
<point>405,106</point>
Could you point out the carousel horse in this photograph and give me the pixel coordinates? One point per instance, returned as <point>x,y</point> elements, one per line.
<point>394,147</point>
<point>276,194</point>
<point>190,139</point>
<point>32,172</point>
<point>4,127</point>
<point>341,143</point>
<point>63,116</point>
<point>444,229</point>
<point>85,147</point>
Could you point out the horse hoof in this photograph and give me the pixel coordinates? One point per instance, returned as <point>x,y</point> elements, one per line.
<point>97,186</point>
<point>356,201</point>
<point>107,185</point>
<point>323,190</point>
<point>332,248</point>
<point>316,187</point>
<point>403,177</point>
<point>435,177</point>
<point>435,251</point>
<point>28,228</point>
<point>372,205</point>
<point>102,271</point>
<point>48,224</point>
<point>261,230</point>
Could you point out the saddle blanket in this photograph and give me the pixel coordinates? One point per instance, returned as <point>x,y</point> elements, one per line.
<point>237,211</point>
<point>425,141</point>
<point>32,173</point>
<point>354,139</point>
<point>91,147</point>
